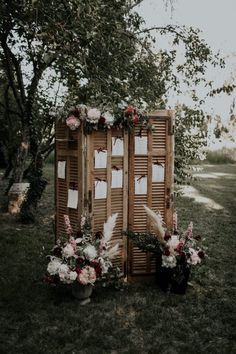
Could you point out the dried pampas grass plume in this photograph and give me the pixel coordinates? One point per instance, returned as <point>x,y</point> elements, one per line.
<point>108,227</point>
<point>156,221</point>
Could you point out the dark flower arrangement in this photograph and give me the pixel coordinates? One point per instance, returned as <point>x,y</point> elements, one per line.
<point>175,252</point>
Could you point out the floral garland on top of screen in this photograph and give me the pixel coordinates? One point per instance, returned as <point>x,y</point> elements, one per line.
<point>94,119</point>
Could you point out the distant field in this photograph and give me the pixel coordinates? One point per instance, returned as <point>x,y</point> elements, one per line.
<point>36,318</point>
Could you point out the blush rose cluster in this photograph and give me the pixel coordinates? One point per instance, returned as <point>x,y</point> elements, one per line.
<point>83,258</point>
<point>95,119</point>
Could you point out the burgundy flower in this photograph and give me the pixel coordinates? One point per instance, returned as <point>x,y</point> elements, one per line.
<point>167,236</point>
<point>166,252</point>
<point>180,247</point>
<point>78,269</point>
<point>79,261</point>
<point>129,110</point>
<point>98,235</point>
<point>50,279</point>
<point>57,251</point>
<point>102,120</point>
<point>97,268</point>
<point>135,119</point>
<point>76,112</point>
<point>201,254</point>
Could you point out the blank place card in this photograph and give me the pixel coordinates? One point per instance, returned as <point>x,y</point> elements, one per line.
<point>100,158</point>
<point>61,169</point>
<point>72,201</point>
<point>141,145</point>
<point>140,185</point>
<point>117,146</point>
<point>158,173</point>
<point>100,189</point>
<point>116,178</point>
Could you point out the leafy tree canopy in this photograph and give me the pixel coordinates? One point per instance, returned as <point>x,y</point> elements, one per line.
<point>62,52</point>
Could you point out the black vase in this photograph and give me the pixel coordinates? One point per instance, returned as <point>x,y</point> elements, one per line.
<point>179,279</point>
<point>163,275</point>
<point>173,279</point>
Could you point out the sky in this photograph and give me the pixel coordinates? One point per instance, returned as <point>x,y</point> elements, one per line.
<point>216,20</point>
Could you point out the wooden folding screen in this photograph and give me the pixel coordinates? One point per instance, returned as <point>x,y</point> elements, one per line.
<point>77,152</point>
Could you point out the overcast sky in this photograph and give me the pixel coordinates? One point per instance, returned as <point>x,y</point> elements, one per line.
<point>216,20</point>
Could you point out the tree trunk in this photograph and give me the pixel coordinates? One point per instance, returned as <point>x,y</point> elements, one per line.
<point>20,161</point>
<point>37,185</point>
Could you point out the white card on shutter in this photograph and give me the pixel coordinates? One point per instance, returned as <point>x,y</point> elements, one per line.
<point>61,169</point>
<point>117,146</point>
<point>117,179</point>
<point>140,145</point>
<point>100,189</point>
<point>140,185</point>
<point>100,158</point>
<point>72,201</point>
<point>158,173</point>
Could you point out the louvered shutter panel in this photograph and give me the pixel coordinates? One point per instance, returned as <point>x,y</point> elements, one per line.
<point>69,148</point>
<point>117,198</point>
<point>159,194</point>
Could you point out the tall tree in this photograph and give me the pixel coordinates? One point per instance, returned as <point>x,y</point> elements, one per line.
<point>94,52</point>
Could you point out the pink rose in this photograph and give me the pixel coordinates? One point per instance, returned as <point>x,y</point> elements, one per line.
<point>72,122</point>
<point>87,275</point>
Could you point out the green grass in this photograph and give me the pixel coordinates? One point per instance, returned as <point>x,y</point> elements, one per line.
<point>37,318</point>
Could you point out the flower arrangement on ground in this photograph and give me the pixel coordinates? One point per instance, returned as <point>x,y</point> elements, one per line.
<point>176,252</point>
<point>83,258</point>
<point>95,119</point>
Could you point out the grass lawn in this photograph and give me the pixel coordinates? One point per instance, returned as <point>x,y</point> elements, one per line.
<point>37,318</point>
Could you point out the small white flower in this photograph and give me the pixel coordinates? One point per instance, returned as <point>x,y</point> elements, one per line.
<point>105,265</point>
<point>78,240</point>
<point>194,258</point>
<point>82,222</point>
<point>68,251</point>
<point>83,111</point>
<point>54,265</point>
<point>90,252</point>
<point>109,118</point>
<point>93,115</point>
<point>168,261</point>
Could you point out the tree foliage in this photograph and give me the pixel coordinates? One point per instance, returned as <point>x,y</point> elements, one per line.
<point>62,52</point>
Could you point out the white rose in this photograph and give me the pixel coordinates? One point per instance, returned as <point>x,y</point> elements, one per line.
<point>68,251</point>
<point>64,272</point>
<point>194,258</point>
<point>174,241</point>
<point>93,115</point>
<point>168,261</point>
<point>109,118</point>
<point>73,276</point>
<point>90,252</point>
<point>54,266</point>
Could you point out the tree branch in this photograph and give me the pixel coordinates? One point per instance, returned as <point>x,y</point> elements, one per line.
<point>168,28</point>
<point>136,3</point>
<point>10,73</point>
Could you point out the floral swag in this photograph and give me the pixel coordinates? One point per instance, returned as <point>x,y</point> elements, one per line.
<point>94,119</point>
